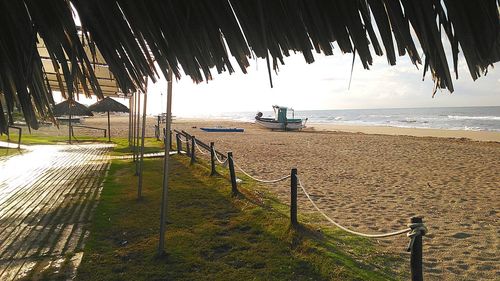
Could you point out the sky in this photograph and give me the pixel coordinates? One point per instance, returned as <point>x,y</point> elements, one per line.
<point>323,84</point>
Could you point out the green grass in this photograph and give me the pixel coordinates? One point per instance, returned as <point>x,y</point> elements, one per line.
<point>9,151</point>
<point>214,236</point>
<point>151,145</point>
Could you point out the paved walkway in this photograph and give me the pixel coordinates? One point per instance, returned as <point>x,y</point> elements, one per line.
<point>47,195</point>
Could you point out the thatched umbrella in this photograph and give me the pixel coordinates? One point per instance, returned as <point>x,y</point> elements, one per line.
<point>71,107</point>
<point>108,105</point>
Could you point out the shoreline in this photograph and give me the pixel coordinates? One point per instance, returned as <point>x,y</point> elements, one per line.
<point>415,132</point>
<point>485,136</point>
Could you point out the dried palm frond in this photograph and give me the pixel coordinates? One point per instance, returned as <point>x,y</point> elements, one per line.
<point>195,36</point>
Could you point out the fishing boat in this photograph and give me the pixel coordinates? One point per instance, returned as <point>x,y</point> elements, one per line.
<point>281,120</point>
<point>222,129</point>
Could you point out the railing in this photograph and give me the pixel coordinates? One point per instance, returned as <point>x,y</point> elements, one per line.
<point>87,127</point>
<point>20,130</point>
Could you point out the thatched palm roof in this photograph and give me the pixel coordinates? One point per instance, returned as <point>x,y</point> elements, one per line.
<point>71,107</point>
<point>197,35</point>
<point>108,104</point>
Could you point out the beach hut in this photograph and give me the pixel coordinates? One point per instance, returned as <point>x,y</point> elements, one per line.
<point>108,105</point>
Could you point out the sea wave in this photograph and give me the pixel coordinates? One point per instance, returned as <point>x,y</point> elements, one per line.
<point>462,117</point>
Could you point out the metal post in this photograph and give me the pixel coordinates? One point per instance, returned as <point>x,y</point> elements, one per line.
<point>129,121</point>
<point>163,213</point>
<point>179,144</point>
<point>137,134</point>
<point>293,198</point>
<point>234,187</point>
<point>193,154</point>
<point>134,95</point>
<point>416,254</point>
<point>141,162</point>
<point>109,129</point>
<point>212,159</point>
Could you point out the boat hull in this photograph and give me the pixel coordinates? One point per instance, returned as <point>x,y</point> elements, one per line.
<point>230,130</point>
<point>273,125</point>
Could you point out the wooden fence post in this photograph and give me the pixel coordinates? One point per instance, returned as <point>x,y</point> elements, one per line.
<point>212,159</point>
<point>293,198</point>
<point>234,187</point>
<point>188,148</point>
<point>158,131</point>
<point>179,144</point>
<point>416,254</point>
<point>193,154</point>
<point>170,138</point>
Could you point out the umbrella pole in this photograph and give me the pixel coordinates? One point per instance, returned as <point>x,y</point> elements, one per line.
<point>69,128</point>
<point>163,215</point>
<point>141,161</point>
<point>69,121</point>
<point>109,129</point>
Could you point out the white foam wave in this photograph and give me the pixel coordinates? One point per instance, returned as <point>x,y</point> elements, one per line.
<point>462,117</point>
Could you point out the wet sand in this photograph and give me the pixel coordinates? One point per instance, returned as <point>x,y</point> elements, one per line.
<point>377,180</point>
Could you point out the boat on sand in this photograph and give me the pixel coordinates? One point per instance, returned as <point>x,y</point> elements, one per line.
<point>281,120</point>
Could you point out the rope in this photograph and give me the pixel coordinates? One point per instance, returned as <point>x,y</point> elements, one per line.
<point>408,230</point>
<point>218,160</point>
<point>184,141</point>
<point>199,149</point>
<point>260,180</point>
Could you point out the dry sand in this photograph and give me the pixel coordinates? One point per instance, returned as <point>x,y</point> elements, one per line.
<point>375,182</point>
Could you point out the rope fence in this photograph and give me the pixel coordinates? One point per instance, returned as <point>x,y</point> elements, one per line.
<point>415,230</point>
<point>260,180</point>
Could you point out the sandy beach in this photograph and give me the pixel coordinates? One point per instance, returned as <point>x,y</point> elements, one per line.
<point>374,179</point>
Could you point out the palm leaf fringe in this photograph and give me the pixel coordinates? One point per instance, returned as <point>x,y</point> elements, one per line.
<point>194,37</point>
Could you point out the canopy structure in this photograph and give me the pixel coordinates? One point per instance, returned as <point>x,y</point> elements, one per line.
<point>69,107</point>
<point>106,82</point>
<point>108,105</point>
<point>139,38</point>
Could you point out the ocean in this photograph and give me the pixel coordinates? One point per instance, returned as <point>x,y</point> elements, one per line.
<point>485,118</point>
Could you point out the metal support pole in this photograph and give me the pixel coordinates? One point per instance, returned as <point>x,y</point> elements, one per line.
<point>163,213</point>
<point>234,187</point>
<point>134,95</point>
<point>416,254</point>
<point>141,161</point>
<point>137,134</point>
<point>193,154</point>
<point>130,121</point>
<point>212,159</point>
<point>293,198</point>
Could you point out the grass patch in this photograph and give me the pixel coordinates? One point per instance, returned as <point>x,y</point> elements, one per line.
<point>213,236</point>
<point>151,145</point>
<point>4,151</point>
